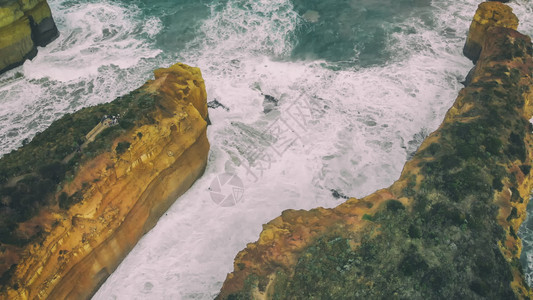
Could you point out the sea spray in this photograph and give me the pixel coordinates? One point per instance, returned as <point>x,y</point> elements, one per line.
<point>104,51</point>
<point>361,125</point>
<point>364,114</point>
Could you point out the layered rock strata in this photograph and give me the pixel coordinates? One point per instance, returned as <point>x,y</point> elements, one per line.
<point>446,229</point>
<point>24,25</point>
<point>122,180</point>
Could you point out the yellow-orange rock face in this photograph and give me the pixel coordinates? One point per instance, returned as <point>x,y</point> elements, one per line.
<point>446,229</point>
<point>123,195</point>
<point>488,14</point>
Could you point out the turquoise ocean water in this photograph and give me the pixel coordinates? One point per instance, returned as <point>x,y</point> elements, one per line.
<point>358,85</point>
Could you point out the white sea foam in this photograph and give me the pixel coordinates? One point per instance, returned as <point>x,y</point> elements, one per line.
<point>524,10</point>
<point>94,35</point>
<point>362,126</point>
<point>99,55</point>
<point>526,234</point>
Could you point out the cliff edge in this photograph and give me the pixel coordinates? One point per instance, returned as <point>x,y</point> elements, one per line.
<point>24,25</point>
<point>446,229</point>
<point>78,197</point>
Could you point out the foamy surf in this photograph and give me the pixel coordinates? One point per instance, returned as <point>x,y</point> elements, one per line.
<point>524,10</point>
<point>359,127</point>
<point>342,126</point>
<point>102,52</point>
<point>94,35</point>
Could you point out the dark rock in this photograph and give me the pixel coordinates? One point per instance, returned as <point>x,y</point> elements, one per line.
<point>338,195</point>
<point>269,103</point>
<point>215,104</point>
<point>45,32</point>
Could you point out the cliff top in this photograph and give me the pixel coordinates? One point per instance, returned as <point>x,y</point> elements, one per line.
<point>33,176</point>
<point>445,230</point>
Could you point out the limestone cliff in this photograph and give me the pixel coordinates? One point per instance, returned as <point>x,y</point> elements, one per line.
<point>446,229</point>
<point>488,14</point>
<point>24,25</point>
<point>119,179</point>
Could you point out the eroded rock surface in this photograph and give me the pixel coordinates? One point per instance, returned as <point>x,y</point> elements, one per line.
<point>488,14</point>
<point>112,190</point>
<point>446,229</point>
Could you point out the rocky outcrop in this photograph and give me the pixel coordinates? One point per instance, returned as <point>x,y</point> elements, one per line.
<point>153,150</point>
<point>24,25</point>
<point>488,14</point>
<point>445,230</point>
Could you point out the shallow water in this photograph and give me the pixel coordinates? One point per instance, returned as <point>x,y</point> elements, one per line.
<point>358,85</point>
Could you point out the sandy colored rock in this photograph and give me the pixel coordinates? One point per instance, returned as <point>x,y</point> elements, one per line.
<point>447,228</point>
<point>123,194</point>
<point>488,14</point>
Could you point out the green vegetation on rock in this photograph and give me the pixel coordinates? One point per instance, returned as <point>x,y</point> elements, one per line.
<point>31,176</point>
<point>449,242</point>
<point>445,247</point>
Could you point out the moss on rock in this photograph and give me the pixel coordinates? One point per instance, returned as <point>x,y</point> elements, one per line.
<point>24,25</point>
<point>445,230</point>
